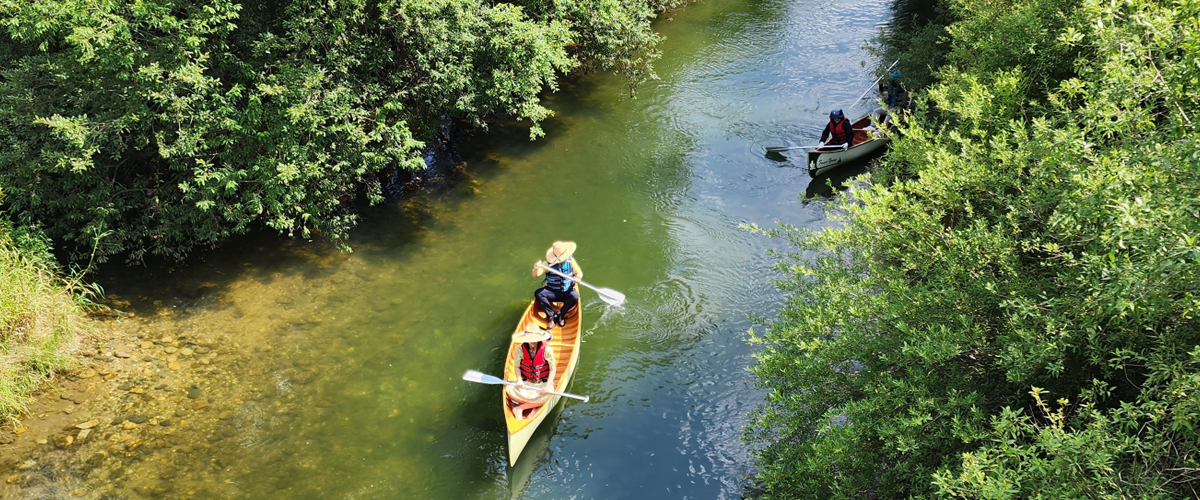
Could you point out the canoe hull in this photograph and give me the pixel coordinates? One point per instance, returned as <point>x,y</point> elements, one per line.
<point>822,161</point>
<point>565,346</point>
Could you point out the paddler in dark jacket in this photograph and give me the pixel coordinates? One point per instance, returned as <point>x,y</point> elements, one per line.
<point>556,288</point>
<point>533,360</point>
<point>838,132</point>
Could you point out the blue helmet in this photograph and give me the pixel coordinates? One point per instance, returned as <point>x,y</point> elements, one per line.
<point>896,74</point>
<point>837,113</point>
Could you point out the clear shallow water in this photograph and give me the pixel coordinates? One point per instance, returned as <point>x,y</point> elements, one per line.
<point>366,349</point>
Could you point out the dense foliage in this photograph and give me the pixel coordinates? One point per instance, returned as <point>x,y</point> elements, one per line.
<point>158,125</point>
<point>1009,306</point>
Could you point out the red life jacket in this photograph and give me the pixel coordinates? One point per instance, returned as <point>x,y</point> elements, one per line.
<point>838,134</point>
<point>534,367</point>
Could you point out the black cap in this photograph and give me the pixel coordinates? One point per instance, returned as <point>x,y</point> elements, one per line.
<point>837,113</point>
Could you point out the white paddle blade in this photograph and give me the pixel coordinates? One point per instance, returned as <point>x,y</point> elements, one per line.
<point>611,296</point>
<point>481,378</point>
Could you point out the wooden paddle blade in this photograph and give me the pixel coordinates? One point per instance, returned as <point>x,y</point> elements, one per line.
<point>481,378</point>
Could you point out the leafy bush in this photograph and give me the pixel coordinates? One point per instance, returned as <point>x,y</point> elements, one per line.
<point>159,125</point>
<point>1034,226</point>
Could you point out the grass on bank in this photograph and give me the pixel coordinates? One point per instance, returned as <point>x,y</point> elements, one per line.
<point>40,320</point>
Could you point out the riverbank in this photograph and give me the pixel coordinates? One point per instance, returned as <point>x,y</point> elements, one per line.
<point>164,395</point>
<point>41,321</point>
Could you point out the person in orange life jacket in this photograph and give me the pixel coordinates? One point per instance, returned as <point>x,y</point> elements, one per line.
<point>534,362</point>
<point>555,288</point>
<point>838,132</point>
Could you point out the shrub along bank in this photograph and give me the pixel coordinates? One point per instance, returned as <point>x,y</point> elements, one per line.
<point>159,125</point>
<point>40,319</point>
<point>1008,308</point>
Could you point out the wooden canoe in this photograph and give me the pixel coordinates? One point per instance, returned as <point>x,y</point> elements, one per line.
<point>565,346</point>
<point>865,142</point>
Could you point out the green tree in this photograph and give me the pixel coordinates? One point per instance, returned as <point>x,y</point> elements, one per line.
<point>1034,226</point>
<point>166,124</point>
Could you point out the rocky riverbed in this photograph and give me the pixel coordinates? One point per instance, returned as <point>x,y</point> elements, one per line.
<point>166,395</point>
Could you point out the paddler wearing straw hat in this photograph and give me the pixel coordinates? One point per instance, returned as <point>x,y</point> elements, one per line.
<point>555,288</point>
<point>534,362</point>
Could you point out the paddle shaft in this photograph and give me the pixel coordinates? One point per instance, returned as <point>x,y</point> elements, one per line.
<point>556,393</point>
<point>572,278</point>
<point>483,378</point>
<point>873,84</point>
<point>776,149</point>
<point>608,295</point>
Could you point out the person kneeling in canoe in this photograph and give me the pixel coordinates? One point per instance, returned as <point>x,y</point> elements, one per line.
<point>839,131</point>
<point>556,288</point>
<point>534,362</point>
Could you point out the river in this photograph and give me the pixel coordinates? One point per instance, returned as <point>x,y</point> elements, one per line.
<point>362,352</point>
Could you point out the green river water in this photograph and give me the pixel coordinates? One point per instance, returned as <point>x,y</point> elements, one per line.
<point>364,351</point>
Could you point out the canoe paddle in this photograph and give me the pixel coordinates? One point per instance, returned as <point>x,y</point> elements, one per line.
<point>483,378</point>
<point>873,84</point>
<point>606,294</point>
<point>776,149</point>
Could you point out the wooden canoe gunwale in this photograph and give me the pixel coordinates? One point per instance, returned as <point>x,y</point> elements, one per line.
<point>565,346</point>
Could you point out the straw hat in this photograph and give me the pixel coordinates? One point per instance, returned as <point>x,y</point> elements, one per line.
<point>532,333</point>
<point>559,252</point>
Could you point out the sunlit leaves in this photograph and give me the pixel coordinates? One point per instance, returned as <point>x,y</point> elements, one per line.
<point>1033,226</point>
<point>168,124</point>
